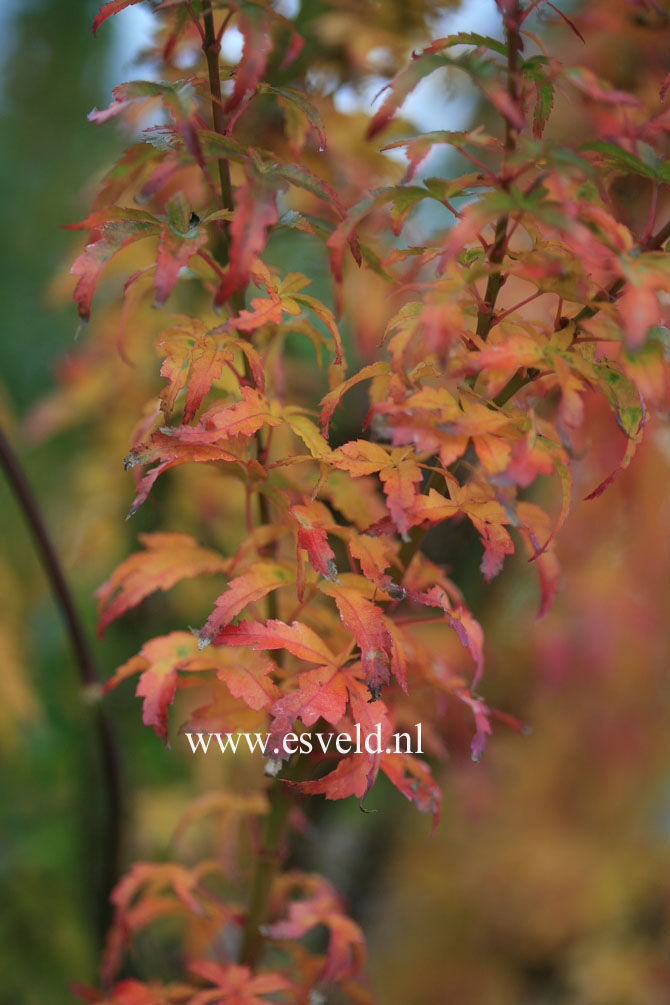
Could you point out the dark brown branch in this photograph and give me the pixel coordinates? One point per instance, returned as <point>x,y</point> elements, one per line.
<point>110,762</point>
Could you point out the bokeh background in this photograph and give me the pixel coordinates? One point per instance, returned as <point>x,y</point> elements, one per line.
<point>548,880</point>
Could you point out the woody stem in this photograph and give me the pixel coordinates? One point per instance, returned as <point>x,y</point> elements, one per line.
<point>269,855</point>
<point>110,761</point>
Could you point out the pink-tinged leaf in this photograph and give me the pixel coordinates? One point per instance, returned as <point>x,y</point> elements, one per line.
<point>248,679</point>
<point>497,543</point>
<point>243,418</point>
<point>345,952</point>
<point>418,147</point>
<point>571,24</point>
<point>366,623</point>
<point>158,661</point>
<point>296,638</point>
<point>631,447</point>
<point>508,108</point>
<point>412,777</point>
<point>254,24</point>
<point>360,457</point>
<point>599,90</point>
<point>177,97</point>
<point>354,775</point>
<point>565,480</point>
<point>322,693</point>
<point>640,310</point>
<point>399,661</point>
<point>146,483</point>
<point>126,992</point>
<point>255,212</point>
<point>401,87</point>
<point>375,555</point>
<point>265,310</point>
<point>535,526</point>
<point>665,84</point>
<point>174,252</point>
<point>193,360</point>
<point>246,589</point>
<point>109,9</point>
<point>330,402</point>
<point>170,452</point>
<point>168,559</point>
<point>481,713</point>
<point>111,229</point>
<point>312,521</point>
<point>238,985</point>
<point>468,630</point>
<point>432,507</point>
<point>151,890</point>
<point>400,483</point>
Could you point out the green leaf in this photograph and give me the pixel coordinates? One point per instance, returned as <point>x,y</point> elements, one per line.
<point>470,38</point>
<point>178,212</point>
<point>620,160</point>
<point>533,69</point>
<point>300,100</point>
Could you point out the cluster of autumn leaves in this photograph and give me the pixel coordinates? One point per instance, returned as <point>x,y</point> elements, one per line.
<point>535,295</point>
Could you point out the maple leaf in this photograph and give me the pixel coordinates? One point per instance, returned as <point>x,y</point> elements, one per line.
<point>251,586</point>
<point>468,630</point>
<point>354,776</point>
<point>312,520</point>
<point>193,360</point>
<point>170,452</point>
<point>297,638</point>
<point>224,714</point>
<point>326,315</point>
<point>237,984</point>
<point>111,229</point>
<point>640,310</point>
<point>221,421</point>
<point>254,24</point>
<point>481,713</point>
<point>535,525</point>
<point>255,212</point>
<point>321,692</point>
<point>152,890</point>
<point>418,147</point>
<point>308,433</point>
<point>375,555</point>
<point>322,907</point>
<point>366,623</point>
<point>157,661</point>
<point>412,777</point>
<point>330,402</point>
<point>179,240</point>
<point>250,681</point>
<point>398,473</point>
<point>129,992</point>
<point>168,558</point>
<point>110,8</point>
<point>299,115</point>
<point>487,515</point>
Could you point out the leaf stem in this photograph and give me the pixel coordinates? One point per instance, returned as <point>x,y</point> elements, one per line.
<point>110,760</point>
